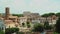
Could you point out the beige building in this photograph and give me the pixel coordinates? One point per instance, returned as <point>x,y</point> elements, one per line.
<point>30,17</point>
<point>53,19</point>
<point>22,20</point>
<point>10,21</point>
<point>36,18</point>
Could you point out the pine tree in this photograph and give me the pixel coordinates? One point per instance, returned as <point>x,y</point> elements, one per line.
<point>46,25</point>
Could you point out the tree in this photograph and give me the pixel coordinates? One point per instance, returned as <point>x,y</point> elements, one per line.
<point>58,25</point>
<point>23,24</point>
<point>58,14</point>
<point>11,30</point>
<point>2,32</point>
<point>38,28</point>
<point>46,25</point>
<point>48,14</point>
<point>28,24</point>
<point>45,15</point>
<point>19,32</point>
<point>19,15</point>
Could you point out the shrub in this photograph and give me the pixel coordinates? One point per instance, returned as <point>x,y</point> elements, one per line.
<point>11,30</point>
<point>23,24</point>
<point>28,25</point>
<point>47,26</point>
<point>38,28</point>
<point>19,32</point>
<point>2,32</point>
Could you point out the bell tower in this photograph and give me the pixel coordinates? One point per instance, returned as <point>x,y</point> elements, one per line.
<point>7,13</point>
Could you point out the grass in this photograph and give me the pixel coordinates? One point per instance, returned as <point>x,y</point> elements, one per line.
<point>2,32</point>
<point>56,33</point>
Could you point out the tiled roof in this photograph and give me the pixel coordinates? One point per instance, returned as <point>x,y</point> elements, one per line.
<point>13,17</point>
<point>8,21</point>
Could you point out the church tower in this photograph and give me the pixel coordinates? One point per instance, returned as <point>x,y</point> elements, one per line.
<point>7,13</point>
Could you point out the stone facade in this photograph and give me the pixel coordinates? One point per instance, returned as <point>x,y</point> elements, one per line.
<point>36,18</point>
<point>28,17</point>
<point>10,21</point>
<point>7,13</point>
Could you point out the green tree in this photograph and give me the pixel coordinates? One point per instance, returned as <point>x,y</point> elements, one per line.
<point>58,14</point>
<point>28,24</point>
<point>45,15</point>
<point>48,14</point>
<point>11,30</point>
<point>19,15</point>
<point>2,32</point>
<point>23,24</point>
<point>19,32</point>
<point>58,25</point>
<point>46,25</point>
<point>38,28</point>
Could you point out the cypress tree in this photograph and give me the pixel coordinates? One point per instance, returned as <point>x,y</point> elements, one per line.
<point>58,25</point>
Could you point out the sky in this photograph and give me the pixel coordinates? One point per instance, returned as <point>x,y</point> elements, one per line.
<point>35,6</point>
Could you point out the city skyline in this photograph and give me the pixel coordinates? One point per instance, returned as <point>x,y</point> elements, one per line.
<point>37,6</point>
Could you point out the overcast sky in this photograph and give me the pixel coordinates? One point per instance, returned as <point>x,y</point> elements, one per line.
<point>38,6</point>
